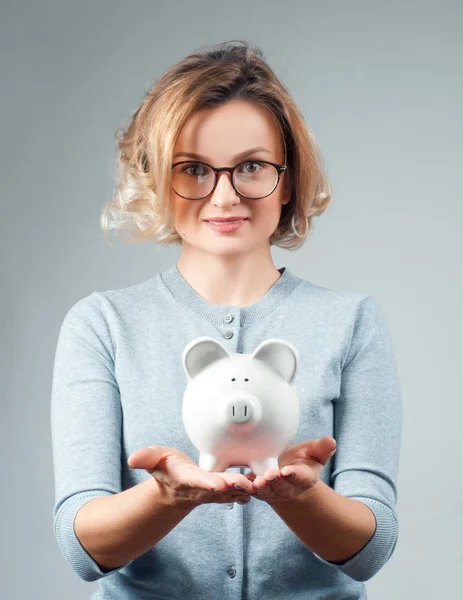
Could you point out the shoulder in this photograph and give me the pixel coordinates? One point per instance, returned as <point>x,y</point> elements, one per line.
<point>101,306</point>
<point>343,315</point>
<point>338,302</point>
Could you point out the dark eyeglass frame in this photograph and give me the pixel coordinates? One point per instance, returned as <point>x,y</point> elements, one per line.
<point>231,171</point>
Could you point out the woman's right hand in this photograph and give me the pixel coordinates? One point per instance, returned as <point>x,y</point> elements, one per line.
<point>185,484</point>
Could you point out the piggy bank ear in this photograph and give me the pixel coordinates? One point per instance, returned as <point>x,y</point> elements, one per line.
<point>200,353</point>
<point>281,356</point>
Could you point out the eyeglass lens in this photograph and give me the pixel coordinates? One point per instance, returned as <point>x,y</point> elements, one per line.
<point>252,179</point>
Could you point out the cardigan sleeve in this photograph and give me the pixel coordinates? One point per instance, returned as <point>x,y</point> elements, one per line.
<point>86,421</point>
<point>367,429</point>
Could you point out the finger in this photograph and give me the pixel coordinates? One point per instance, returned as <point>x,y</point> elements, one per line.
<point>145,458</point>
<point>260,484</point>
<point>237,481</point>
<point>272,475</point>
<point>300,475</point>
<point>244,500</point>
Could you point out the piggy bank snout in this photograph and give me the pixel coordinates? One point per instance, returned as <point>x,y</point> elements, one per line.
<point>241,408</point>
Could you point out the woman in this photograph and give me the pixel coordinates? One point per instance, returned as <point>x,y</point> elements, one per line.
<point>218,159</point>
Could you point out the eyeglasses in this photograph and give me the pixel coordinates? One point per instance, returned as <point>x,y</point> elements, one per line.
<point>252,179</point>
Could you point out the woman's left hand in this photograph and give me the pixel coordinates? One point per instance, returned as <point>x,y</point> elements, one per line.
<point>300,469</point>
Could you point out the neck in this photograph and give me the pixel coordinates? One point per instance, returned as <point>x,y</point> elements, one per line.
<point>228,280</point>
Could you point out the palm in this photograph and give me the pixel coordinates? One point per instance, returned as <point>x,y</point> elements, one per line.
<point>300,467</point>
<point>184,477</point>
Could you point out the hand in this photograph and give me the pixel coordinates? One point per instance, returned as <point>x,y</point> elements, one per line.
<point>300,469</point>
<point>184,483</point>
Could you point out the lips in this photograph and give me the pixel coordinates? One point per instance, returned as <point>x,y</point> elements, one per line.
<point>226,219</point>
<point>227,226</point>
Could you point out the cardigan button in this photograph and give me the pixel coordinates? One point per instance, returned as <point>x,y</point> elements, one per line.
<point>228,318</point>
<point>232,571</point>
<point>228,335</point>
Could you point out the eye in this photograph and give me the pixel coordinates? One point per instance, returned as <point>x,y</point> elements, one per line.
<point>233,379</point>
<point>249,167</point>
<point>246,379</point>
<point>194,169</point>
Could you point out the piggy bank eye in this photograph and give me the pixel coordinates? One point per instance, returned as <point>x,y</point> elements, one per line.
<point>246,379</point>
<point>233,379</point>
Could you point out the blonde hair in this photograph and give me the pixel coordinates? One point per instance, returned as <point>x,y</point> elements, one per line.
<point>230,70</point>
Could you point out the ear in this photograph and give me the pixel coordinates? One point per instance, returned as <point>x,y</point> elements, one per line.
<point>200,353</point>
<point>280,356</point>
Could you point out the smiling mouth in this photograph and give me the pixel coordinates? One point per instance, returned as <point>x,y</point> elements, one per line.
<point>225,226</point>
<point>226,222</point>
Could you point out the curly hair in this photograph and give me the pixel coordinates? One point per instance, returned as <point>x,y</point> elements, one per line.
<point>234,69</point>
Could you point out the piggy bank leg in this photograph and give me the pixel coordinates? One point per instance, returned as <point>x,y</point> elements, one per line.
<point>260,466</point>
<point>209,463</point>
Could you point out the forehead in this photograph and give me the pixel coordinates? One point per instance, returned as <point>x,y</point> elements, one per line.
<point>221,132</point>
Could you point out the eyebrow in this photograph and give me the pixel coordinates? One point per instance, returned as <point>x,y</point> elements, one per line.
<point>237,157</point>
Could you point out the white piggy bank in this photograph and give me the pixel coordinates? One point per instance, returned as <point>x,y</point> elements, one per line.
<point>240,410</point>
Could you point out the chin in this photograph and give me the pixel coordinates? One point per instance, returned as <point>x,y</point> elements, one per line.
<point>230,250</point>
<point>225,247</point>
<point>224,244</point>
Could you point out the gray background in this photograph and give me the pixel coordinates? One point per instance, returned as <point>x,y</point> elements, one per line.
<point>380,85</point>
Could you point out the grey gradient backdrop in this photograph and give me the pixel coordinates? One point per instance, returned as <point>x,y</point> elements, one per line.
<point>380,84</point>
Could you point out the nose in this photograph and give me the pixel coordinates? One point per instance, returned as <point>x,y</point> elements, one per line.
<point>224,194</point>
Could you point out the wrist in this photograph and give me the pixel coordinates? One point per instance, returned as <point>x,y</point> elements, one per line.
<point>312,493</point>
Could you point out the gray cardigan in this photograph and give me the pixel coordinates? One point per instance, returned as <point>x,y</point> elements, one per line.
<point>118,383</point>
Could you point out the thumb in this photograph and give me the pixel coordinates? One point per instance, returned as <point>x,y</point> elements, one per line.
<point>326,447</point>
<point>145,458</point>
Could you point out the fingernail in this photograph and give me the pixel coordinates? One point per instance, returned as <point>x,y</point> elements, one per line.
<point>274,480</point>
<point>290,476</point>
<point>238,487</point>
<point>217,491</point>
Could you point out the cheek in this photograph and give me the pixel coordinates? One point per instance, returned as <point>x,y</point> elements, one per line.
<point>186,219</point>
<point>270,212</point>
<point>183,212</point>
